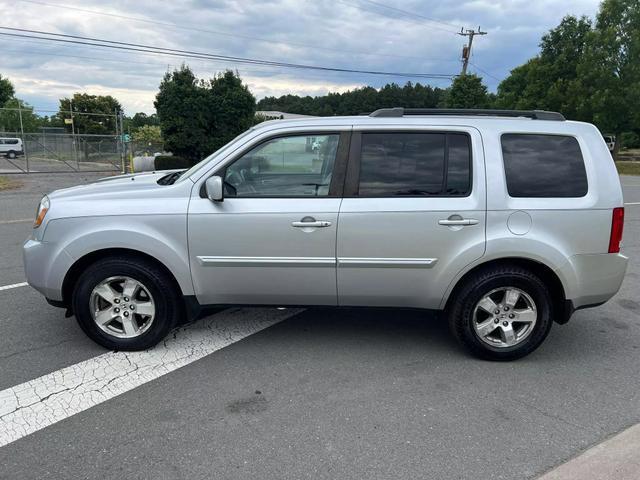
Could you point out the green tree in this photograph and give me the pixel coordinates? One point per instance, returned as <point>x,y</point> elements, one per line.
<point>94,114</point>
<point>609,72</point>
<point>148,134</point>
<point>197,117</point>
<point>467,91</point>
<point>233,108</point>
<point>10,118</point>
<point>6,90</point>
<point>141,119</point>
<point>547,81</point>
<point>359,100</point>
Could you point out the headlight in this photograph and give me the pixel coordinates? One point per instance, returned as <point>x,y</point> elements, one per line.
<point>43,208</point>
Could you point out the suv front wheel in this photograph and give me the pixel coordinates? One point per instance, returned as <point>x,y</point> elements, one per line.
<point>501,313</point>
<point>125,303</point>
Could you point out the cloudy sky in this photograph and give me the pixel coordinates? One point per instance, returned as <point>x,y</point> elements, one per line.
<point>352,34</point>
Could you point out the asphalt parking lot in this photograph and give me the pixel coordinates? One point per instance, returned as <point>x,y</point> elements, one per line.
<point>315,393</point>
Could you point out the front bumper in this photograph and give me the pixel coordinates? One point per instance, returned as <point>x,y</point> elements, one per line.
<point>45,266</point>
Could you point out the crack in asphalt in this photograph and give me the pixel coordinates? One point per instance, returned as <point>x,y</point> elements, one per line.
<point>36,349</point>
<point>551,416</point>
<point>33,405</point>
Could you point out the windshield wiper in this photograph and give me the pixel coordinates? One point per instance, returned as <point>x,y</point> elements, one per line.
<point>171,178</point>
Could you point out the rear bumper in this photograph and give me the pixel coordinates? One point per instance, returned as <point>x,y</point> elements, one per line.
<point>591,280</point>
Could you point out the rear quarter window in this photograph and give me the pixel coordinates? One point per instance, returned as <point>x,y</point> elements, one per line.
<point>539,165</point>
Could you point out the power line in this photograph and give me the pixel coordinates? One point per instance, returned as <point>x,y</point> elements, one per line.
<point>408,19</point>
<point>484,71</point>
<point>80,40</point>
<point>215,32</point>
<point>244,71</point>
<point>411,14</point>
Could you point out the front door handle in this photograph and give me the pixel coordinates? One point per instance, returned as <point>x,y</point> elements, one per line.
<point>458,221</point>
<point>311,224</point>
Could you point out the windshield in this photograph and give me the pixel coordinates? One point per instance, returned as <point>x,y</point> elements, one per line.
<point>206,160</point>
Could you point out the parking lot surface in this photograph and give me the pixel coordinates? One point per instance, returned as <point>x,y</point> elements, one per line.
<point>316,393</point>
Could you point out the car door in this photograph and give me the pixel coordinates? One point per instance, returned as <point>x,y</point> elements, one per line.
<point>272,239</point>
<point>413,214</point>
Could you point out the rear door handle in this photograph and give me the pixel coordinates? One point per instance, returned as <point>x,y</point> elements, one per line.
<point>461,221</point>
<point>314,224</point>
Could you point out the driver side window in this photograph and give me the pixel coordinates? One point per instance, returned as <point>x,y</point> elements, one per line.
<point>294,166</point>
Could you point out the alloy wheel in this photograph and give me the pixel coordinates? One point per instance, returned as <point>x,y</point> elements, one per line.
<point>504,317</point>
<point>122,307</point>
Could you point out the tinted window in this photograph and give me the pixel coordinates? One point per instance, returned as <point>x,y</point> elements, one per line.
<point>284,167</point>
<point>543,166</point>
<point>12,141</point>
<point>414,164</point>
<point>459,162</point>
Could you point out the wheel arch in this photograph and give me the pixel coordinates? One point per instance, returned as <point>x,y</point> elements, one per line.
<point>562,308</point>
<point>76,269</point>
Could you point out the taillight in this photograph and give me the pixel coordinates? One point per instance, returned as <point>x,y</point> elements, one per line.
<point>617,223</point>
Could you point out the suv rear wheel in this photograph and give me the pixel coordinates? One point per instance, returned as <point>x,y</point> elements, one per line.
<point>501,313</point>
<point>124,303</point>
<point>11,154</point>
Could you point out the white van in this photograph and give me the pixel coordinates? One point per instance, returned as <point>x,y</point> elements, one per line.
<point>610,140</point>
<point>11,147</point>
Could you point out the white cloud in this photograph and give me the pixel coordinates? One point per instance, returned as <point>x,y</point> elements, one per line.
<point>340,33</point>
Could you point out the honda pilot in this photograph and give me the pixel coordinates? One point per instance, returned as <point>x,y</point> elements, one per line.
<point>505,221</point>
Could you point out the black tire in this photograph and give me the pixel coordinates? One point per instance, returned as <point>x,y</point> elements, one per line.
<point>11,154</point>
<point>163,290</point>
<point>462,306</point>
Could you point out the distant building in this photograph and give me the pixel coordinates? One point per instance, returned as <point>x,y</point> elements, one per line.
<point>275,115</point>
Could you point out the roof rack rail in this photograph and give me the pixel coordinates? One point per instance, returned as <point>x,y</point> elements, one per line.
<point>533,114</point>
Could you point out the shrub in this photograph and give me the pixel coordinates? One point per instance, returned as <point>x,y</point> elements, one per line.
<point>170,162</point>
<point>630,140</point>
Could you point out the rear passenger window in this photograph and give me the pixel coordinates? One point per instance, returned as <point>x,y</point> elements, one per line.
<point>414,164</point>
<point>543,166</point>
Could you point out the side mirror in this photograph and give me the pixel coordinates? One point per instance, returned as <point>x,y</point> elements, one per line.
<point>213,186</point>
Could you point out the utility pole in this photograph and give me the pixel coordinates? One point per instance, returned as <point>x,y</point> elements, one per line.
<point>73,135</point>
<point>24,140</point>
<point>466,50</point>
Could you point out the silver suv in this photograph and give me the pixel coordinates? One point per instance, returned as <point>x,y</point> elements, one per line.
<point>504,220</point>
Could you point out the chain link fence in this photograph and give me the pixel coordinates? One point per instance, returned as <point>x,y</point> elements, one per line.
<point>55,149</point>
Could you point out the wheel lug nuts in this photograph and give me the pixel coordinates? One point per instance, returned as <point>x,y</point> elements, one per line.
<point>132,307</point>
<point>126,314</point>
<point>505,323</point>
<point>497,312</point>
<point>511,315</point>
<point>117,300</point>
<point>506,309</point>
<point>496,321</point>
<point>117,310</point>
<point>126,299</point>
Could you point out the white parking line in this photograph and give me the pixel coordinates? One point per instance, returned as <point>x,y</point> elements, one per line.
<point>34,405</point>
<point>13,285</point>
